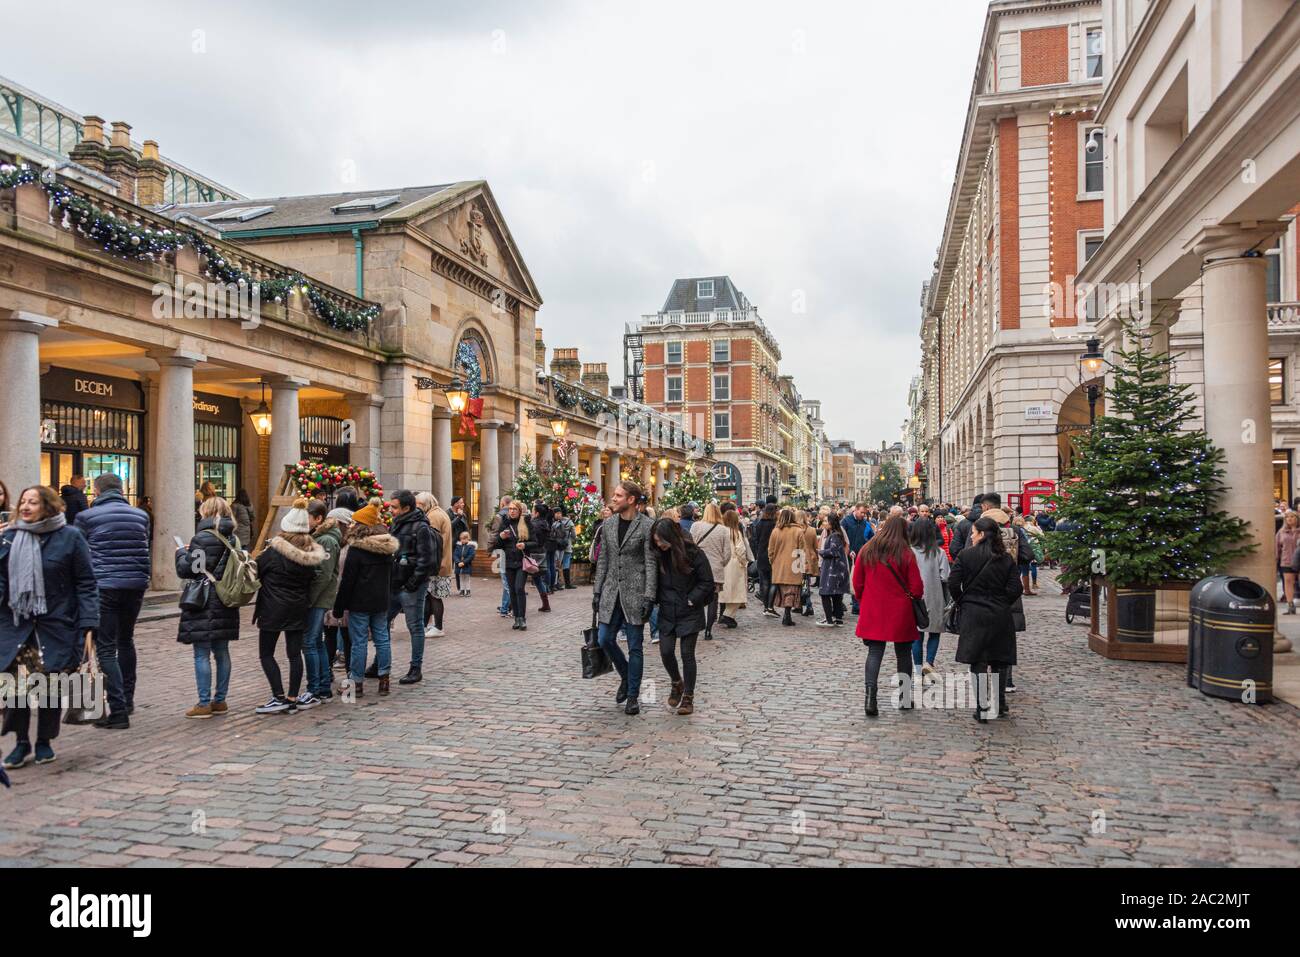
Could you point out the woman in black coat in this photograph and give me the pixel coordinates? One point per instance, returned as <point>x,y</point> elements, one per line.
<point>48,601</point>
<point>685,591</point>
<point>286,568</point>
<point>363,596</point>
<point>759,534</point>
<point>985,580</point>
<point>515,539</point>
<point>211,628</point>
<point>541,549</point>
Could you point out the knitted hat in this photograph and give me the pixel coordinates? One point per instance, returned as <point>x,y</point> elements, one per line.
<point>341,515</point>
<point>296,520</point>
<point>367,516</point>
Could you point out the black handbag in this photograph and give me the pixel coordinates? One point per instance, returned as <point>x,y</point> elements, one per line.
<point>194,594</point>
<point>919,611</point>
<point>594,660</point>
<point>952,611</point>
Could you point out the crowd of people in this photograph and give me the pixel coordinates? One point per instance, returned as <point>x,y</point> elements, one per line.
<point>336,576</point>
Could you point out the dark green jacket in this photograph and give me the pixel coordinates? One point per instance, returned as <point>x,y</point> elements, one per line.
<point>325,584</point>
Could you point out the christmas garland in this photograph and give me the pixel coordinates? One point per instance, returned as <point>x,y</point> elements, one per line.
<point>311,477</point>
<point>467,360</point>
<point>128,239</point>
<point>593,407</point>
<point>567,398</point>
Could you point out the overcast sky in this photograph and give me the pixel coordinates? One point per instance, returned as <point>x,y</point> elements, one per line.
<point>806,150</point>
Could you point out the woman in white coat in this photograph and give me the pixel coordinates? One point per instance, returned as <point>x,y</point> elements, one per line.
<point>735,574</point>
<point>711,537</point>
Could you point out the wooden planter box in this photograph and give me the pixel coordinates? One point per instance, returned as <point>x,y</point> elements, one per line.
<point>580,573</point>
<point>1172,619</point>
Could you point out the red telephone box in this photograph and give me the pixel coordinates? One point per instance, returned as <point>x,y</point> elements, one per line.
<point>1032,497</point>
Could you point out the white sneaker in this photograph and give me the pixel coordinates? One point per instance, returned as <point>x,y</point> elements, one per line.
<point>824,623</point>
<point>308,700</point>
<point>274,706</point>
<point>433,631</point>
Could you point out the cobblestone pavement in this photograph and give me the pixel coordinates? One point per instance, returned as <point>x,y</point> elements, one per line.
<point>504,755</point>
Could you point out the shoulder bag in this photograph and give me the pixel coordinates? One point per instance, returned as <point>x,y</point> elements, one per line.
<point>952,611</point>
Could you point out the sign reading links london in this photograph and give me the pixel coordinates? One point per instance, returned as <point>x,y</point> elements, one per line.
<point>209,300</point>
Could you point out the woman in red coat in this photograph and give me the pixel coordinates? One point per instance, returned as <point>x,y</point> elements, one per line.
<point>883,567</point>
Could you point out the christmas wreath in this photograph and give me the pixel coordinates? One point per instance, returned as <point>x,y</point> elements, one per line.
<point>311,477</point>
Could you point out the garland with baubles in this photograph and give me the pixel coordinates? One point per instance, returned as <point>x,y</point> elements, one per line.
<point>129,239</point>
<point>311,477</point>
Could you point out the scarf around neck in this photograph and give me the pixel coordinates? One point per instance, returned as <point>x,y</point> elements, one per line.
<point>26,576</point>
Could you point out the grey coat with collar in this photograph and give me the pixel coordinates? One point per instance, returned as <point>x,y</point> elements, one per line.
<point>626,574</point>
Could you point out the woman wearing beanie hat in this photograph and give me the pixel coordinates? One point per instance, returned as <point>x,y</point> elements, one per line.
<point>285,569</point>
<point>363,594</point>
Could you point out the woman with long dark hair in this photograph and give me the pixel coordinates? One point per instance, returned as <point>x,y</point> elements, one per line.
<point>833,575</point>
<point>684,592</point>
<point>985,582</point>
<point>788,563</point>
<point>513,539</point>
<point>885,580</point>
<point>922,534</point>
<point>760,533</point>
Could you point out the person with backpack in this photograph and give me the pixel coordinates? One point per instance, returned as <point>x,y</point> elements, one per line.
<point>444,544</point>
<point>209,630</point>
<point>985,584</point>
<point>328,533</point>
<point>1017,546</point>
<point>363,596</point>
<point>413,564</point>
<point>286,569</point>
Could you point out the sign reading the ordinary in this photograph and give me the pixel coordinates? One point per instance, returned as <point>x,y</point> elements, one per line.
<point>85,388</point>
<point>217,408</point>
<point>1037,413</point>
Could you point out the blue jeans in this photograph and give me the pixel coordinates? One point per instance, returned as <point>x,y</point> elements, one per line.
<point>654,622</point>
<point>550,571</point>
<point>314,656</point>
<point>931,647</point>
<point>220,650</point>
<point>629,667</point>
<point>567,559</point>
<point>363,625</point>
<point>411,604</point>
<point>504,607</point>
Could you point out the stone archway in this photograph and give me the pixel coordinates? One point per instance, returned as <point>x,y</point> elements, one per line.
<point>1072,419</point>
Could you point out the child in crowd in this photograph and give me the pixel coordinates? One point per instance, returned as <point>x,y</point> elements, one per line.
<point>463,556</point>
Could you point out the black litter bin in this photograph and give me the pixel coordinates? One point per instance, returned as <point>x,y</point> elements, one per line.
<point>1230,639</point>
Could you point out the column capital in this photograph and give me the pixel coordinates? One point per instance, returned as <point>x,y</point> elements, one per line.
<point>16,320</point>
<point>369,400</point>
<point>508,427</point>
<point>442,413</point>
<point>492,424</point>
<point>287,383</point>
<point>1227,241</point>
<point>180,358</point>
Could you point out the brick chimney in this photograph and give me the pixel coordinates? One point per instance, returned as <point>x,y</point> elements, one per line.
<point>122,164</point>
<point>595,377</point>
<point>565,365</point>
<point>539,350</point>
<point>151,178</point>
<point>90,152</point>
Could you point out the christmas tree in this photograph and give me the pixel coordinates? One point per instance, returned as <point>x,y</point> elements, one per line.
<point>559,485</point>
<point>1139,503</point>
<point>690,486</point>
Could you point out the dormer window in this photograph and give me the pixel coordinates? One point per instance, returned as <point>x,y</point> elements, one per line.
<point>365,202</point>
<point>704,289</point>
<point>238,214</point>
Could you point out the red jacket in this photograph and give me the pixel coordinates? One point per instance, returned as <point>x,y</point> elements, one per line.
<point>886,611</point>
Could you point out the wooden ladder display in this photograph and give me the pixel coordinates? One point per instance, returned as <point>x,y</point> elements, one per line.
<point>284,497</point>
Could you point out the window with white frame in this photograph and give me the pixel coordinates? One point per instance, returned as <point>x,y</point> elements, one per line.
<point>1093,166</point>
<point>722,425</point>
<point>722,387</point>
<point>704,289</point>
<point>721,350</point>
<point>674,389</point>
<point>1089,242</point>
<point>673,352</point>
<point>1094,47</point>
<point>1273,272</point>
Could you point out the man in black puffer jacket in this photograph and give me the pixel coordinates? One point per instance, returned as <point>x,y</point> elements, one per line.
<point>412,566</point>
<point>118,535</point>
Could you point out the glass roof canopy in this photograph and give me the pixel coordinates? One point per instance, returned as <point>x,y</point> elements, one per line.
<point>43,127</point>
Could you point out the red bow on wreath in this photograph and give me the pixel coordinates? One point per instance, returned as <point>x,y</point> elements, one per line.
<point>473,410</point>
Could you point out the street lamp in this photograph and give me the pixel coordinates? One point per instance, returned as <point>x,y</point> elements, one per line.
<point>457,397</point>
<point>262,415</point>
<point>560,427</point>
<point>1091,364</point>
<point>663,462</point>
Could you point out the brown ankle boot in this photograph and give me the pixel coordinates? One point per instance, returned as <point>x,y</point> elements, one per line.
<point>675,696</point>
<point>688,704</point>
<point>383,686</point>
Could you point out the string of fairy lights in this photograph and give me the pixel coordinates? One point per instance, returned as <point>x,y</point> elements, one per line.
<point>128,238</point>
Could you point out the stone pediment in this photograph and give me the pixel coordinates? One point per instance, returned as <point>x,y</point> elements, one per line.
<point>468,224</point>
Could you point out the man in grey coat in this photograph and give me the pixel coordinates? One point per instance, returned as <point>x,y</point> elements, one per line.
<point>626,582</point>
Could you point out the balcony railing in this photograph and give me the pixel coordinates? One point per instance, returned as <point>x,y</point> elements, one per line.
<point>729,316</point>
<point>1284,316</point>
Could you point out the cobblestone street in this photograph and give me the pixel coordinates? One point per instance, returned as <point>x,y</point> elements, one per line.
<point>505,756</point>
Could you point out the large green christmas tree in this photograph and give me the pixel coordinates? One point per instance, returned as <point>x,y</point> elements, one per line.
<point>1139,504</point>
<point>690,486</point>
<point>559,485</point>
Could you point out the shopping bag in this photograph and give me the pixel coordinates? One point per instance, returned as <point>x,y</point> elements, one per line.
<point>594,660</point>
<point>91,685</point>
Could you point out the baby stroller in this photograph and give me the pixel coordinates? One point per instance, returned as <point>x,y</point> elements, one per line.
<point>1078,603</point>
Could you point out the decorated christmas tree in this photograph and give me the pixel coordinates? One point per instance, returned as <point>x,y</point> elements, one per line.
<point>691,486</point>
<point>1139,503</point>
<point>559,485</point>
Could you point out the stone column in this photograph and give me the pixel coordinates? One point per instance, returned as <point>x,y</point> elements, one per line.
<point>489,475</point>
<point>286,428</point>
<point>442,483</point>
<point>661,476</point>
<point>172,469</point>
<point>573,457</point>
<point>597,467</point>
<point>20,410</point>
<point>545,449</point>
<point>364,411</point>
<point>1238,413</point>
<point>506,456</point>
<point>615,473</point>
